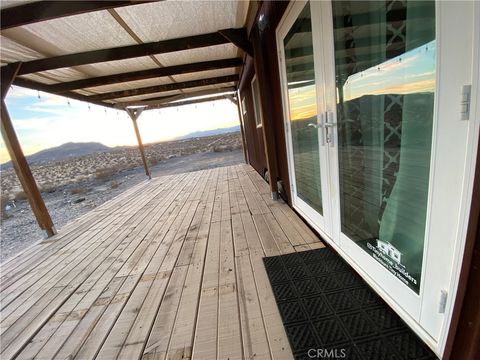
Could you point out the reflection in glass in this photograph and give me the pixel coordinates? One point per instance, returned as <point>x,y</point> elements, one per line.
<point>303,110</point>
<point>385,73</point>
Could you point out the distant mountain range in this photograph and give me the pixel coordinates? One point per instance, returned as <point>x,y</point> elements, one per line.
<point>72,149</point>
<point>210,132</point>
<point>64,151</point>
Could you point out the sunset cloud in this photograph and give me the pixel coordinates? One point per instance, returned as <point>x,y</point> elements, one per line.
<point>303,103</point>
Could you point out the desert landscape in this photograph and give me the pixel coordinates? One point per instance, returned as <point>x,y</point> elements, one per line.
<point>74,185</point>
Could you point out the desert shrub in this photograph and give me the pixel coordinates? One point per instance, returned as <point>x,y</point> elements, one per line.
<point>21,195</point>
<point>114,184</point>
<point>48,188</point>
<point>78,190</point>
<point>222,148</point>
<point>4,200</point>
<point>105,173</point>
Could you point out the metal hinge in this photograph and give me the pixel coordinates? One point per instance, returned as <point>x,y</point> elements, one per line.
<point>465,102</point>
<point>443,301</point>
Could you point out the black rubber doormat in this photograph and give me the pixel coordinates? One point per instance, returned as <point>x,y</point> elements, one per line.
<point>329,312</point>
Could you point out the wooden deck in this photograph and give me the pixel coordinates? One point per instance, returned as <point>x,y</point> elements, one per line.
<point>172,268</point>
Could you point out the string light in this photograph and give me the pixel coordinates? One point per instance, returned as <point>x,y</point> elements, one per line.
<point>89,109</point>
<point>38,94</point>
<point>68,102</point>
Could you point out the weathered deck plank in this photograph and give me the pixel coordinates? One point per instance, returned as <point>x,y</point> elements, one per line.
<point>172,268</point>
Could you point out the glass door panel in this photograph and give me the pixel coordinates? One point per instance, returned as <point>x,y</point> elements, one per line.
<point>385,83</point>
<point>378,171</point>
<point>305,134</point>
<point>302,105</point>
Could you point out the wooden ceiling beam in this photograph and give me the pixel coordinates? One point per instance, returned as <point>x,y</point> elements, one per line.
<point>29,84</point>
<point>145,74</point>
<point>47,10</point>
<point>7,75</point>
<point>165,87</point>
<point>123,52</point>
<point>183,96</point>
<point>187,102</point>
<point>239,38</point>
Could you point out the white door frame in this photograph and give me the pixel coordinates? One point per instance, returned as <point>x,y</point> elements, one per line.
<point>322,223</point>
<point>450,183</point>
<point>472,147</point>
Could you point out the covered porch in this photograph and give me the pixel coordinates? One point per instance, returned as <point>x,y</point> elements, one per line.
<point>172,268</point>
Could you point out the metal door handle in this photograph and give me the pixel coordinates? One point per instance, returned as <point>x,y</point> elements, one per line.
<point>329,125</point>
<point>319,125</point>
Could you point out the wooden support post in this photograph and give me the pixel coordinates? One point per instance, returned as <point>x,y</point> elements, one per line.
<point>20,163</point>
<point>262,62</point>
<point>236,101</point>
<point>134,115</point>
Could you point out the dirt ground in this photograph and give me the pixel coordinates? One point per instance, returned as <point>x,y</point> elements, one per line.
<point>65,203</point>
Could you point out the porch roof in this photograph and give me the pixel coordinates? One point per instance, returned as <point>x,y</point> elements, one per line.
<point>121,53</point>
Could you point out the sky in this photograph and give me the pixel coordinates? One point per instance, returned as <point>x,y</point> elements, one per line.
<point>411,72</point>
<point>51,120</point>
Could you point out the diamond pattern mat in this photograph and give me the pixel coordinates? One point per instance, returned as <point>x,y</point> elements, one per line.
<point>327,307</point>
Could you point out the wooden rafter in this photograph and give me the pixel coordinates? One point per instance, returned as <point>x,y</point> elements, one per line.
<point>7,75</point>
<point>166,99</point>
<point>144,74</point>
<point>188,102</point>
<point>239,38</point>
<point>125,52</point>
<point>30,84</point>
<point>47,10</point>
<point>165,87</point>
